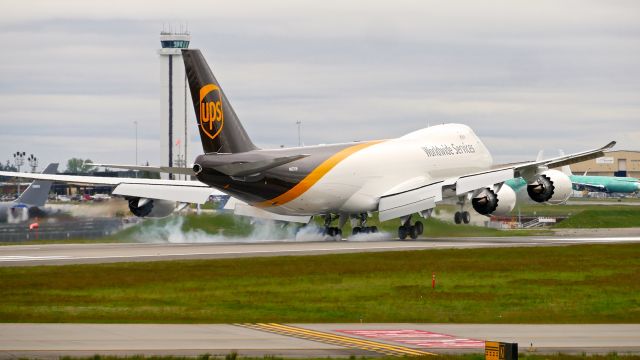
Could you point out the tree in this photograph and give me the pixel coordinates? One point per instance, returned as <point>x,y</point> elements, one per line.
<point>79,166</point>
<point>8,167</point>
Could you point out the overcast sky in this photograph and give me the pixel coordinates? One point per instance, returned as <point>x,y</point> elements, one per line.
<point>75,75</point>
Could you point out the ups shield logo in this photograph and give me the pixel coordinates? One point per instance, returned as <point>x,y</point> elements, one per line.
<point>211,113</point>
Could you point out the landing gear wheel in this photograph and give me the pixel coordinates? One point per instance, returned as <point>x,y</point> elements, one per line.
<point>413,232</point>
<point>466,217</point>
<point>374,229</point>
<point>457,217</point>
<point>402,232</point>
<point>332,232</point>
<point>419,227</point>
<point>356,230</point>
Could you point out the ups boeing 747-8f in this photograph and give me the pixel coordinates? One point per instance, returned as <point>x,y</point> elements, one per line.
<point>398,178</point>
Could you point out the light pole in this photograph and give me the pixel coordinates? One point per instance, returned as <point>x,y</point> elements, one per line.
<point>33,162</point>
<point>299,124</point>
<point>18,160</point>
<point>136,125</point>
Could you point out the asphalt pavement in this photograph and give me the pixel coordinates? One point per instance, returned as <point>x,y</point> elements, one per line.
<point>319,340</point>
<point>62,254</point>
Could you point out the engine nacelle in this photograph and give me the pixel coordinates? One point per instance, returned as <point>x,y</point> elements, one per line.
<point>551,186</point>
<point>152,208</point>
<point>489,202</point>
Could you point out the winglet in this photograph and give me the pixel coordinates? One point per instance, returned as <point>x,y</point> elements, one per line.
<point>609,146</point>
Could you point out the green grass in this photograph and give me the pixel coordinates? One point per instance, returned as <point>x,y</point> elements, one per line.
<point>575,284</point>
<point>603,218</point>
<point>436,228</point>
<point>611,200</point>
<point>230,226</point>
<point>226,224</point>
<point>555,210</point>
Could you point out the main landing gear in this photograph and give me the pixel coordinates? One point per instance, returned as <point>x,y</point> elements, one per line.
<point>462,216</point>
<point>330,230</point>
<point>412,231</point>
<point>361,226</point>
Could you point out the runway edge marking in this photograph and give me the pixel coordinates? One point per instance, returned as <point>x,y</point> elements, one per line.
<point>335,339</point>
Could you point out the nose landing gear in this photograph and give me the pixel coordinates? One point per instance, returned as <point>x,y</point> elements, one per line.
<point>461,216</point>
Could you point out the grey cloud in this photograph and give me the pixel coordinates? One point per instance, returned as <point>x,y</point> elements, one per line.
<point>524,76</point>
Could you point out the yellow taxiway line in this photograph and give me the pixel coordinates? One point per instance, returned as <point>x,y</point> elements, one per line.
<point>335,339</point>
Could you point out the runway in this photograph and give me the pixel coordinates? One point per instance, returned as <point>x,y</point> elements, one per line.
<point>319,340</point>
<point>63,254</point>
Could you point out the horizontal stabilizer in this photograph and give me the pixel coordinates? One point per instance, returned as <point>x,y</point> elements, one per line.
<point>254,167</point>
<point>158,169</point>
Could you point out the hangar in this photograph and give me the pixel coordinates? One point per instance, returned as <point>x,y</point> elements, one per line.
<point>614,163</point>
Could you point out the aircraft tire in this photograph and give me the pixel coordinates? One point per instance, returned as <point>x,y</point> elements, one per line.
<point>413,232</point>
<point>402,233</point>
<point>419,227</point>
<point>466,217</point>
<point>457,218</point>
<point>356,230</point>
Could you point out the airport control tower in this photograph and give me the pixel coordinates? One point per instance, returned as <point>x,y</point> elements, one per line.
<point>173,100</point>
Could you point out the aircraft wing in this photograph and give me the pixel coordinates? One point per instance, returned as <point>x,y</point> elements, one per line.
<point>158,169</point>
<point>402,201</point>
<point>172,190</point>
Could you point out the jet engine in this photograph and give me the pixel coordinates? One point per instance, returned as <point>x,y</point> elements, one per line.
<point>153,208</point>
<point>488,202</point>
<point>551,186</point>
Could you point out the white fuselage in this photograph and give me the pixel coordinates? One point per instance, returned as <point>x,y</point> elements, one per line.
<point>356,184</point>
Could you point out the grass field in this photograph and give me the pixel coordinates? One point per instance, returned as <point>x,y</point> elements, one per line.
<point>576,284</point>
<point>560,210</point>
<point>603,218</point>
<point>230,226</point>
<point>233,226</point>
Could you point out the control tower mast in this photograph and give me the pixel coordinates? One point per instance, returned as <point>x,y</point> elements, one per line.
<point>173,100</point>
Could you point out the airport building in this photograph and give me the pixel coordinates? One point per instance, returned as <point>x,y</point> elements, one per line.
<point>614,163</point>
<point>173,100</point>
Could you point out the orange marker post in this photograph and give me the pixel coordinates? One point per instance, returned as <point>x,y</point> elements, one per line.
<point>433,281</point>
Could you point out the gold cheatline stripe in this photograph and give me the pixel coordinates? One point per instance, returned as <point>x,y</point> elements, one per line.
<point>341,340</point>
<point>315,175</point>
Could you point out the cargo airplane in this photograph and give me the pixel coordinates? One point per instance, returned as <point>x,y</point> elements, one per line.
<point>398,178</point>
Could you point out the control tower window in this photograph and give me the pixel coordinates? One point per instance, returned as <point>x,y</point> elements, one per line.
<point>181,44</point>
